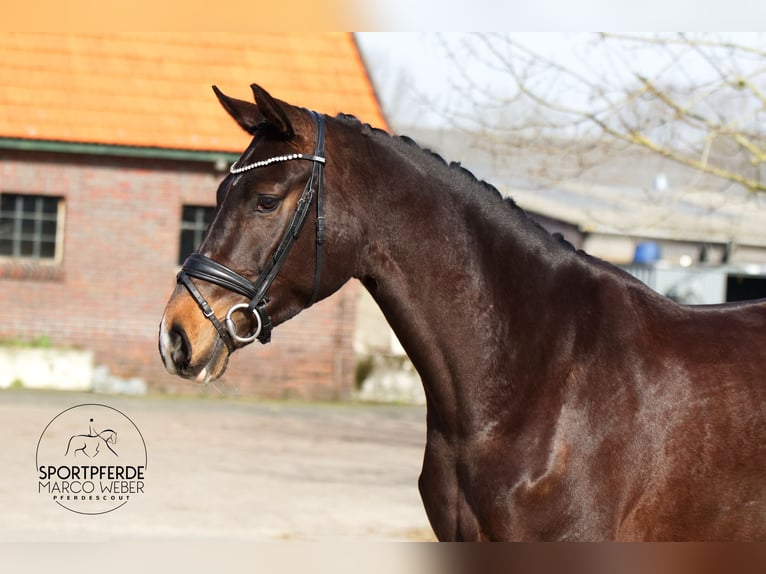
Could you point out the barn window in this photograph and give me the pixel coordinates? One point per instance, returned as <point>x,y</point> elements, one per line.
<point>30,226</point>
<point>195,220</point>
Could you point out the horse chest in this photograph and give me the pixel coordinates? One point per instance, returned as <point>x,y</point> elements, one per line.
<point>474,492</point>
<point>495,489</point>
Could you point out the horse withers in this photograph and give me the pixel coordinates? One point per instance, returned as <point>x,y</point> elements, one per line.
<point>565,399</point>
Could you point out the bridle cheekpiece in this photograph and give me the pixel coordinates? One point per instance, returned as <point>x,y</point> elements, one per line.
<point>201,267</point>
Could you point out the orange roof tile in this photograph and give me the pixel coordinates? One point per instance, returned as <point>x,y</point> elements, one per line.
<point>153,89</point>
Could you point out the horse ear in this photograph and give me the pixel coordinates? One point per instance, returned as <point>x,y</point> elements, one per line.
<point>273,112</point>
<point>246,114</point>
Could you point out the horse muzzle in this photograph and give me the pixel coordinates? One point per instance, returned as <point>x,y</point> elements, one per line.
<point>202,358</point>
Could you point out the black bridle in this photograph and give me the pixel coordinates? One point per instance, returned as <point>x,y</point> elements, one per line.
<point>201,267</point>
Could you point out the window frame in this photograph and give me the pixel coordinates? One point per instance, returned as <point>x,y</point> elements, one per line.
<point>197,227</point>
<point>37,236</point>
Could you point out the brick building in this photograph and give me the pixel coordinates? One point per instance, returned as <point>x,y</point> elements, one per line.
<point>111,149</point>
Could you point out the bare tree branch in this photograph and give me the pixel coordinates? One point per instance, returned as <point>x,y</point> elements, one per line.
<point>702,106</point>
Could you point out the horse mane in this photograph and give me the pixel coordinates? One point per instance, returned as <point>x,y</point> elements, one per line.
<point>472,183</point>
<point>508,212</point>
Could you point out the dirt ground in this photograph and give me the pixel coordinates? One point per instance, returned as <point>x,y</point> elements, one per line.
<point>225,469</point>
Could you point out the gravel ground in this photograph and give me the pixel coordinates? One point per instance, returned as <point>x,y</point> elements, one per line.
<point>231,470</point>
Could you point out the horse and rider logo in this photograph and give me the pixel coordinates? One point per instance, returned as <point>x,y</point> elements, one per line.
<point>80,466</point>
<point>93,443</point>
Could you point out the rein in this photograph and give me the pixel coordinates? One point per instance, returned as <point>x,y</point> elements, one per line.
<point>201,267</point>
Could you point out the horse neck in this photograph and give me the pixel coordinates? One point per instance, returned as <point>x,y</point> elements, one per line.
<point>460,276</point>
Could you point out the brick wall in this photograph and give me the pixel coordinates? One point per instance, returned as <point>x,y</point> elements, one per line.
<point>120,249</point>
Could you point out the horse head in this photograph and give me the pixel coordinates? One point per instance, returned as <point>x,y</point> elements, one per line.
<point>254,248</point>
<point>109,436</point>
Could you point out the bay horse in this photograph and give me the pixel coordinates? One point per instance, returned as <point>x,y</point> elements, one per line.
<point>565,399</point>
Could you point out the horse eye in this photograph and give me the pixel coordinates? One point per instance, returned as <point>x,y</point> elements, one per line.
<point>266,203</point>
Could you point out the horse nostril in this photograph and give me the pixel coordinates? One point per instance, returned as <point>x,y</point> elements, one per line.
<point>180,348</point>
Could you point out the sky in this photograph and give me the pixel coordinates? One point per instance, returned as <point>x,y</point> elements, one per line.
<point>559,15</point>
<point>417,74</point>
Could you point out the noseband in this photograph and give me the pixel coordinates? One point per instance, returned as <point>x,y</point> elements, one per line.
<point>201,267</point>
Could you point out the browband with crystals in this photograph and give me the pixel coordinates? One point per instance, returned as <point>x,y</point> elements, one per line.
<point>265,162</point>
